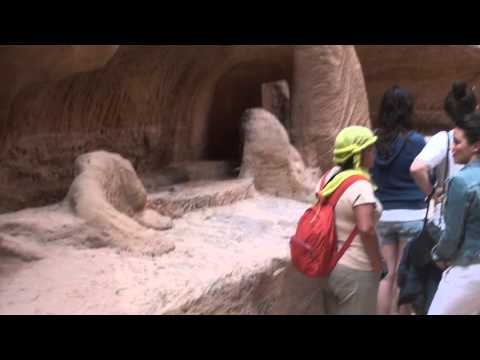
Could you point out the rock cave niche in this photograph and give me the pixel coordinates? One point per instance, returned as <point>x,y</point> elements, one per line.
<point>240,89</point>
<point>276,100</point>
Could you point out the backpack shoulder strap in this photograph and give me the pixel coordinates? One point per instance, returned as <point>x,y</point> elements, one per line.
<point>323,181</point>
<point>334,200</point>
<point>343,187</point>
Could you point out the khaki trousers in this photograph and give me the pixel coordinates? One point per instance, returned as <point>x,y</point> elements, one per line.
<point>351,292</point>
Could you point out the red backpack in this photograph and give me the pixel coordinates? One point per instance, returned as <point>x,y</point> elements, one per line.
<point>314,247</point>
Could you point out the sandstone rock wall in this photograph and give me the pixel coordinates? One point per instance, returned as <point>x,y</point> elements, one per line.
<point>160,105</point>
<point>328,95</point>
<point>427,70</point>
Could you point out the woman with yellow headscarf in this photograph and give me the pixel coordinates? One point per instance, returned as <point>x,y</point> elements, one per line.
<point>353,284</point>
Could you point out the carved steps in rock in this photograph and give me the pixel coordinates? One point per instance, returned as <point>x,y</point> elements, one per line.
<point>183,198</point>
<point>187,171</point>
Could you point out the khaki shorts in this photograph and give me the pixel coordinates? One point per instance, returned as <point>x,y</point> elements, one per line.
<point>351,292</point>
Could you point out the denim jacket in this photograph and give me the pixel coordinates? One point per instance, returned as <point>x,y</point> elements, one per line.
<point>460,241</point>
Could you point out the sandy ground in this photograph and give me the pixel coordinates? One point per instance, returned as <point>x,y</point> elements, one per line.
<point>215,247</point>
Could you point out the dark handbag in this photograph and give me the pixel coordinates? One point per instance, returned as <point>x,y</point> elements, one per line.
<point>422,246</point>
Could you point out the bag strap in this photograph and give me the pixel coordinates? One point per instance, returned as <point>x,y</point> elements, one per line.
<point>447,165</point>
<point>429,200</point>
<point>445,176</point>
<point>333,201</point>
<point>324,179</point>
<point>344,248</point>
<point>323,182</point>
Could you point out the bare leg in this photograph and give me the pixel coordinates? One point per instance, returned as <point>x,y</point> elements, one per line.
<point>404,309</point>
<point>387,288</point>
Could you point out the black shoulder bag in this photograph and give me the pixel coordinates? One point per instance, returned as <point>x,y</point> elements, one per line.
<point>423,245</point>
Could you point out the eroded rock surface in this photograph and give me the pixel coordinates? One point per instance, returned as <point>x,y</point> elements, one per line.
<point>159,106</point>
<point>228,260</point>
<point>272,162</point>
<point>108,195</point>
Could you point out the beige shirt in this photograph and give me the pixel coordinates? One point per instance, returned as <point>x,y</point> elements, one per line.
<point>360,193</point>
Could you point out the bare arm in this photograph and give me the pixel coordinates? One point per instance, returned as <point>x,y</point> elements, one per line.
<point>419,171</point>
<point>364,217</point>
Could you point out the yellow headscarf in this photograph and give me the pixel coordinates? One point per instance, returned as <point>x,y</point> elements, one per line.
<point>350,142</point>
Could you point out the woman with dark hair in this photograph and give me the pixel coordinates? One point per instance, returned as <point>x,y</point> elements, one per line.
<point>402,200</point>
<point>459,102</point>
<point>458,252</point>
